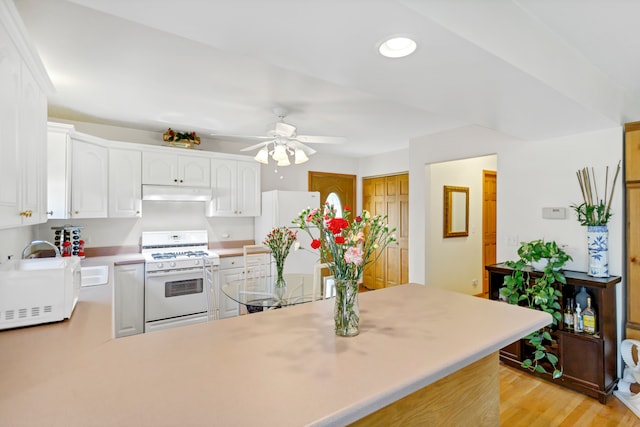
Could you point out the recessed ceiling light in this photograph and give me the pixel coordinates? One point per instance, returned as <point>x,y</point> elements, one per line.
<point>397,47</point>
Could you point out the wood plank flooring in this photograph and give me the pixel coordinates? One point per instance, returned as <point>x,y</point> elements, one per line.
<point>526,401</point>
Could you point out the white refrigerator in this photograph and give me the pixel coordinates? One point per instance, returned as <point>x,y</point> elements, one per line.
<point>279,208</point>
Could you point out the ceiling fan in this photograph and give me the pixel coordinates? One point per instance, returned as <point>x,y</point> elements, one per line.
<point>283,141</point>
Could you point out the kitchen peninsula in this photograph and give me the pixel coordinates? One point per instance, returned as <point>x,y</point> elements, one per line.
<point>275,368</point>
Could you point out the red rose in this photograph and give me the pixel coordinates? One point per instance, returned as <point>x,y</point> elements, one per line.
<point>315,243</point>
<point>358,219</point>
<point>339,240</point>
<point>347,208</point>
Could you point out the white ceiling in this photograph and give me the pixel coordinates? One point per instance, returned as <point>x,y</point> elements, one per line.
<point>528,68</point>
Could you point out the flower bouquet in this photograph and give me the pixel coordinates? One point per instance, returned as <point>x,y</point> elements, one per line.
<point>280,240</point>
<point>347,248</point>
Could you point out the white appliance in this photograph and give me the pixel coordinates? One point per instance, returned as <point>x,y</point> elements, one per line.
<point>279,209</point>
<point>39,290</point>
<point>181,279</point>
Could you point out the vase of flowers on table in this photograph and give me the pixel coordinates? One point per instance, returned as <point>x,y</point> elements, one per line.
<point>280,240</point>
<point>347,247</point>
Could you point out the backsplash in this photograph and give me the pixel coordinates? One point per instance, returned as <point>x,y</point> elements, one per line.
<point>108,232</point>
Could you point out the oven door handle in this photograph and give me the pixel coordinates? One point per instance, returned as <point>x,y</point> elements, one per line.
<point>174,272</point>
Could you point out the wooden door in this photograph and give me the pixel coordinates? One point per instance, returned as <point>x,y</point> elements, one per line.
<point>489,206</point>
<point>632,178</point>
<point>342,185</point>
<point>389,195</point>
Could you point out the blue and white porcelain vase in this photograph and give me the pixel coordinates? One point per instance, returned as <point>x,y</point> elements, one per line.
<point>598,245</point>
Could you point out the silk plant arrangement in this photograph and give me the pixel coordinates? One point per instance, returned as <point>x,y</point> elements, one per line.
<point>541,294</point>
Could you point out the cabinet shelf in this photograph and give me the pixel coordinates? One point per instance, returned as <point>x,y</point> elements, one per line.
<point>588,362</point>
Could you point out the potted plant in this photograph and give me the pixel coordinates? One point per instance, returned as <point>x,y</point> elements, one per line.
<point>594,213</point>
<point>541,294</point>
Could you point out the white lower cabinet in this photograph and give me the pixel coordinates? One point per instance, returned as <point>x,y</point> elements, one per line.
<point>231,269</point>
<point>128,299</point>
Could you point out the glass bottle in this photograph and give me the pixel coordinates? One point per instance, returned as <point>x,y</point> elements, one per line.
<point>577,319</point>
<point>581,297</point>
<point>589,318</point>
<point>568,315</point>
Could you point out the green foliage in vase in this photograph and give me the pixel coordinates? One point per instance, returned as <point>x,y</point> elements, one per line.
<point>541,294</point>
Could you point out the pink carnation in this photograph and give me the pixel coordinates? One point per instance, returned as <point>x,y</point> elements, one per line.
<point>353,255</point>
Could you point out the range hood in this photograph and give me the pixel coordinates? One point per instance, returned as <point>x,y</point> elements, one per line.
<point>175,193</point>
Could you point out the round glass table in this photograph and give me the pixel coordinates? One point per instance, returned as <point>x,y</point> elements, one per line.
<point>259,295</point>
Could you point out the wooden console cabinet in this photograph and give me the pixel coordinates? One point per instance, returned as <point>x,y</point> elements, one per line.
<point>588,362</point>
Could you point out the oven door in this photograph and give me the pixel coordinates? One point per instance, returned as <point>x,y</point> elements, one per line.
<point>174,293</point>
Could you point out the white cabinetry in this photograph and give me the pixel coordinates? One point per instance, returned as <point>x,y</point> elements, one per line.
<point>10,89</point>
<point>231,269</point>
<point>125,189</point>
<point>89,180</point>
<point>58,162</point>
<point>236,188</point>
<point>32,135</point>
<point>23,112</point>
<point>171,169</point>
<point>128,299</point>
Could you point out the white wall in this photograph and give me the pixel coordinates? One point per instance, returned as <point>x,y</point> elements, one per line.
<point>467,250</point>
<point>13,240</point>
<point>531,175</point>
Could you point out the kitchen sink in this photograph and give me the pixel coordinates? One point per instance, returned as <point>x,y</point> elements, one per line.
<point>38,290</point>
<point>95,275</point>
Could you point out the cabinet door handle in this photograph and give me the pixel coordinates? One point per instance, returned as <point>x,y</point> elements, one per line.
<point>181,180</point>
<point>76,212</point>
<point>175,180</point>
<point>50,212</point>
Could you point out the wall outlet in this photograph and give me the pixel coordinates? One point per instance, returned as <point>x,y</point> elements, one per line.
<point>513,240</point>
<point>474,282</point>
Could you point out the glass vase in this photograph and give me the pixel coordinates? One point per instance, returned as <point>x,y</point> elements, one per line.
<point>347,311</point>
<point>279,285</point>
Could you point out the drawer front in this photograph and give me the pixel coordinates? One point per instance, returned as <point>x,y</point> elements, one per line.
<point>231,262</point>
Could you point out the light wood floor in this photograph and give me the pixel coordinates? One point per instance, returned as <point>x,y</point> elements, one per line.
<point>530,402</point>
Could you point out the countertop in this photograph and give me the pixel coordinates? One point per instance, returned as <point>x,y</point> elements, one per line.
<point>277,368</point>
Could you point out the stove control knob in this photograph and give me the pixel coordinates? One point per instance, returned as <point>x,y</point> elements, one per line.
<point>159,265</point>
<point>172,264</point>
<point>197,262</point>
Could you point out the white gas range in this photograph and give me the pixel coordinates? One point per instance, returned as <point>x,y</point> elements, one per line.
<point>181,277</point>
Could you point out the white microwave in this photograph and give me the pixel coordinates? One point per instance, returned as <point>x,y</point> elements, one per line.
<point>39,290</point>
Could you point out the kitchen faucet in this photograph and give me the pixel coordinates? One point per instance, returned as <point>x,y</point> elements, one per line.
<point>39,242</point>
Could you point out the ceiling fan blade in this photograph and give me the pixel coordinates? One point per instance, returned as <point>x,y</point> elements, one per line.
<point>240,137</point>
<point>309,139</point>
<point>258,145</point>
<point>298,145</point>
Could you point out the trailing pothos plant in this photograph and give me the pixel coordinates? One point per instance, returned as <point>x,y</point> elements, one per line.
<point>541,294</point>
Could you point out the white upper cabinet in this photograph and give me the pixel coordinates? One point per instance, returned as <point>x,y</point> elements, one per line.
<point>32,131</point>
<point>89,180</point>
<point>10,90</point>
<point>171,169</point>
<point>236,188</point>
<point>125,189</point>
<point>23,121</point>
<point>59,170</point>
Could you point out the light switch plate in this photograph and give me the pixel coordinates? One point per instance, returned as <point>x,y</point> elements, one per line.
<point>554,213</point>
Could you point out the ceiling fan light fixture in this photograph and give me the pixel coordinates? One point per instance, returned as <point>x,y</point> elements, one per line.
<point>280,153</point>
<point>284,162</point>
<point>397,47</point>
<point>263,156</point>
<point>301,157</point>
